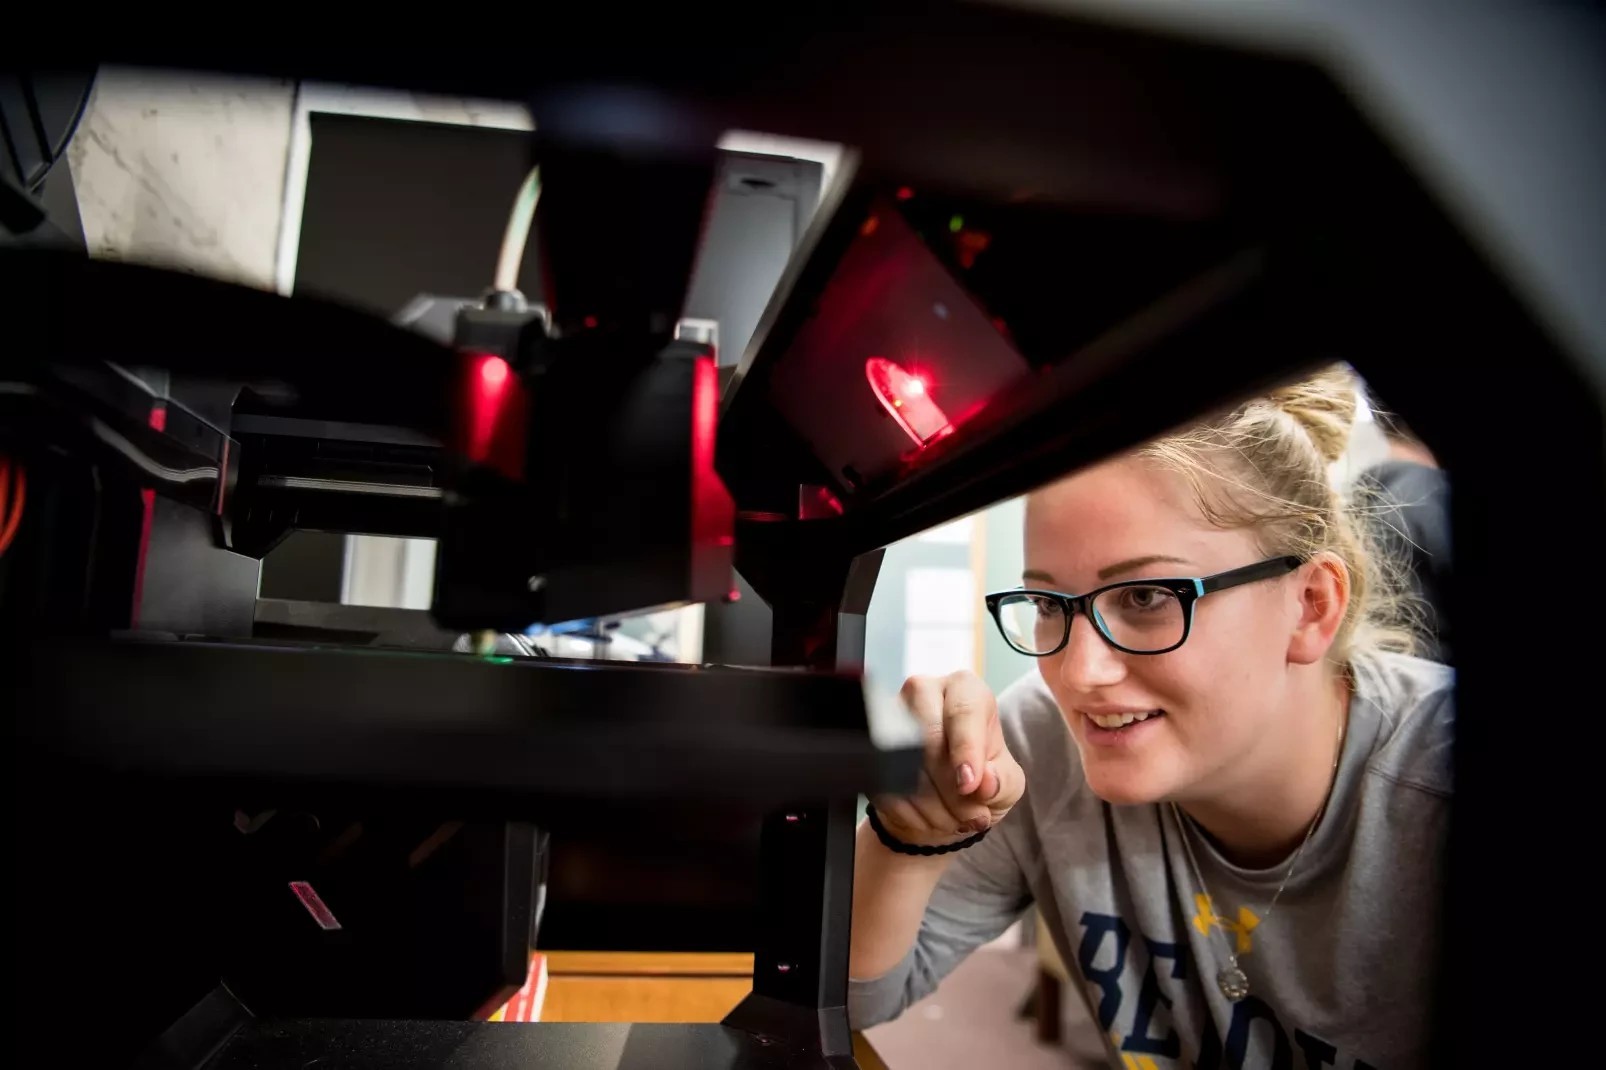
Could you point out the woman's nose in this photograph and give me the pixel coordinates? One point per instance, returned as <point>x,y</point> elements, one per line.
<point>1088,662</point>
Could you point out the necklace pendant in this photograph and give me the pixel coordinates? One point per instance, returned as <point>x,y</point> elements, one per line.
<point>1233,982</point>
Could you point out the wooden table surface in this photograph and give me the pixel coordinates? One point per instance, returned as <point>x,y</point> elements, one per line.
<point>658,986</point>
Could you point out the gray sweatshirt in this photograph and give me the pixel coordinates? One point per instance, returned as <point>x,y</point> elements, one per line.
<point>1341,974</point>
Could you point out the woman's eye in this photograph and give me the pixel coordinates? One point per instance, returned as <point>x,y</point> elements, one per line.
<point>1047,608</point>
<point>1144,599</point>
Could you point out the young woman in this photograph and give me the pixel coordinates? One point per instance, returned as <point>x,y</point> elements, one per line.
<point>1238,792</point>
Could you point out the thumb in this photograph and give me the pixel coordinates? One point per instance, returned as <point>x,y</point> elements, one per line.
<point>991,784</point>
<point>1007,781</point>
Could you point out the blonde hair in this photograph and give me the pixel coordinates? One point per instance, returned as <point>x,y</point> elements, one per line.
<point>1264,466</point>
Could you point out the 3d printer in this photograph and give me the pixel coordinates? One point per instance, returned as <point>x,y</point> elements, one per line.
<point>1121,218</point>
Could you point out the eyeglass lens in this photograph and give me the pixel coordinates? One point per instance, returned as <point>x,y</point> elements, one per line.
<point>1140,618</point>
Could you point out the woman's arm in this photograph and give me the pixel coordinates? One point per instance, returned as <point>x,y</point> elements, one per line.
<point>928,912</point>
<point>890,893</point>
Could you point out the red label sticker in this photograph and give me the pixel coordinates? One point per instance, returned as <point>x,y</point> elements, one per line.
<point>315,905</point>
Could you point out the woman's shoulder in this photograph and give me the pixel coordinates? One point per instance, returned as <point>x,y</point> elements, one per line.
<point>1414,701</point>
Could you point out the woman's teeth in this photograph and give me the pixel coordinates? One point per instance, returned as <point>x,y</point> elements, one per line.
<point>1121,720</point>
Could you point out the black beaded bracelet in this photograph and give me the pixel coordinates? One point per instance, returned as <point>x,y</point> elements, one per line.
<point>892,843</point>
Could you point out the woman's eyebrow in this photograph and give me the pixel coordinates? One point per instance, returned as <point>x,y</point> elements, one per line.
<point>1109,571</point>
<point>1132,565</point>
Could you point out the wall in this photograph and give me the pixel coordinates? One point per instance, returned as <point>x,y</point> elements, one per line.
<point>184,171</point>
<point>1004,561</point>
<point>927,615</point>
<point>923,615</point>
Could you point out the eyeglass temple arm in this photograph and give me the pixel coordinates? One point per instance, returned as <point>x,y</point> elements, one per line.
<point>1261,570</point>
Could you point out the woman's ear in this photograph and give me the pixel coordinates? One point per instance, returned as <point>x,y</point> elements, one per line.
<point>1322,586</point>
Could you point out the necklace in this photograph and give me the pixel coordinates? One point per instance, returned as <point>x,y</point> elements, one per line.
<point>1231,979</point>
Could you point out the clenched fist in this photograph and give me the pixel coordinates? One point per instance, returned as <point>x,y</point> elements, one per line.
<point>970,780</point>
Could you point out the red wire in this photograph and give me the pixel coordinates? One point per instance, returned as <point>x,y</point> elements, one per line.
<point>21,495</point>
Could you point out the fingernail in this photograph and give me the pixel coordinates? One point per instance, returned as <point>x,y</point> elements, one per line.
<point>966,775</point>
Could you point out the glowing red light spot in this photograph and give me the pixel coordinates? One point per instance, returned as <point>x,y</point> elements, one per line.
<point>870,226</point>
<point>713,514</point>
<point>734,595</point>
<point>493,371</point>
<point>829,500</point>
<point>904,193</point>
<point>908,399</point>
<point>590,322</point>
<point>490,423</point>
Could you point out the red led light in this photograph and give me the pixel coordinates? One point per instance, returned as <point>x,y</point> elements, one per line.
<point>905,193</point>
<point>491,416</point>
<point>493,370</point>
<point>486,404</point>
<point>907,397</point>
<point>590,322</point>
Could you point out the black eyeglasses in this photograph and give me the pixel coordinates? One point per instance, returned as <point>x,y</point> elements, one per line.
<point>1137,616</point>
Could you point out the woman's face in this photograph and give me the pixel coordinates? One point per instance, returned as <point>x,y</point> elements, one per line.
<point>1218,695</point>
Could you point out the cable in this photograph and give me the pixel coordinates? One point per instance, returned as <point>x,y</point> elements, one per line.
<point>518,231</point>
<point>150,467</point>
<point>20,495</point>
<point>126,449</point>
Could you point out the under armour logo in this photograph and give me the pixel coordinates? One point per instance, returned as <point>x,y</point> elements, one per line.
<point>1207,917</point>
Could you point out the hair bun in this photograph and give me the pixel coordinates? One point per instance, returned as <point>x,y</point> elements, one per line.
<point>1324,405</point>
